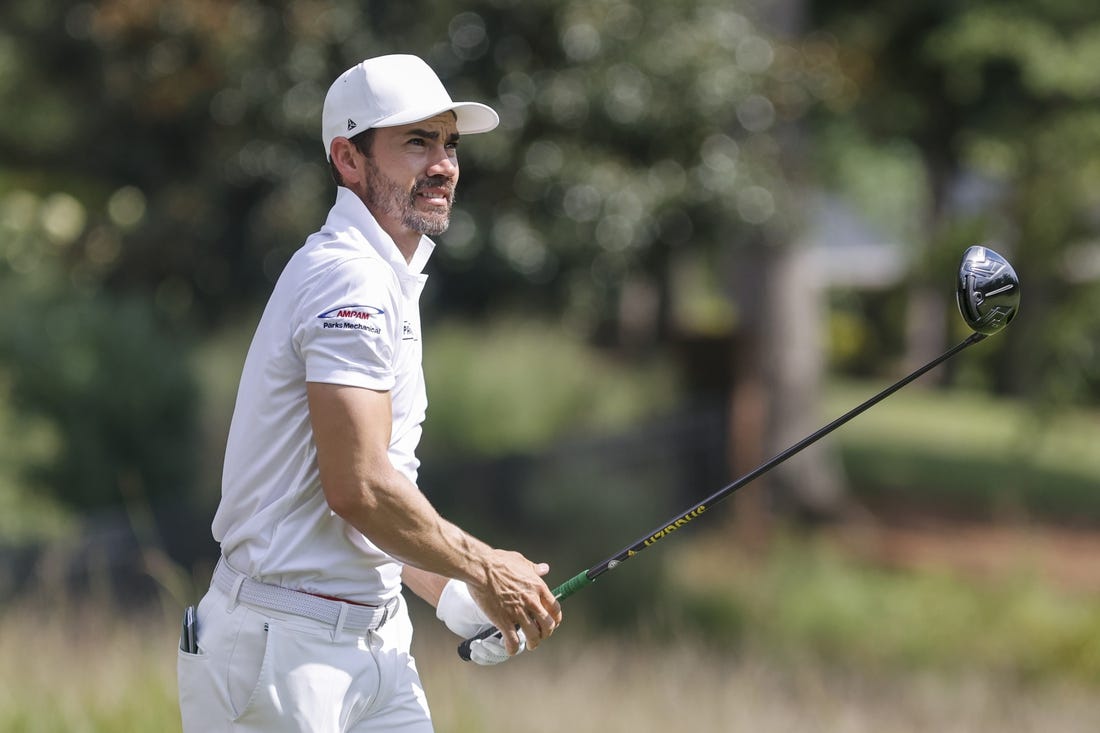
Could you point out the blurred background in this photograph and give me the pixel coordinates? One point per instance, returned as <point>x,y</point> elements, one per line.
<point>702,230</point>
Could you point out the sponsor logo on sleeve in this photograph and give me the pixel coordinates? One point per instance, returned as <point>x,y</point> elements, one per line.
<point>353,318</point>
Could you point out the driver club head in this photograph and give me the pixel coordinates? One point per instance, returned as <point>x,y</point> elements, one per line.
<point>988,290</point>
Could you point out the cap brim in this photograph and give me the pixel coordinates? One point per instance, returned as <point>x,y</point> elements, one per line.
<point>471,117</point>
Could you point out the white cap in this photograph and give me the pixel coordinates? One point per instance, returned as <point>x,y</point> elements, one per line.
<point>387,91</point>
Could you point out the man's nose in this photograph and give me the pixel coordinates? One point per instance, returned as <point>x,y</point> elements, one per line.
<point>445,164</point>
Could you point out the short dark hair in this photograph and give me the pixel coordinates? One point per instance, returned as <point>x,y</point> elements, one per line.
<point>362,143</point>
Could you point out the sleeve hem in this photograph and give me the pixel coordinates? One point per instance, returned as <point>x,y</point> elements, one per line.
<point>381,382</point>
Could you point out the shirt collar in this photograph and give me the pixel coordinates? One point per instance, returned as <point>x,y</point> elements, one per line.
<point>349,212</point>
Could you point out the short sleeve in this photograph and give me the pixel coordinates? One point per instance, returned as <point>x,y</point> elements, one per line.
<point>348,325</point>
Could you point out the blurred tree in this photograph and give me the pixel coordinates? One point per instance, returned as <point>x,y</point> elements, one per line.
<point>115,390</point>
<point>185,134</point>
<point>172,149</point>
<point>645,140</point>
<point>780,293</point>
<point>1002,102</point>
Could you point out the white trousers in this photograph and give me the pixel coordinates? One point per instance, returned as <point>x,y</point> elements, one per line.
<point>262,670</point>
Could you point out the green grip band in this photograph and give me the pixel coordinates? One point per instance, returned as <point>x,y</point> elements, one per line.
<point>572,585</point>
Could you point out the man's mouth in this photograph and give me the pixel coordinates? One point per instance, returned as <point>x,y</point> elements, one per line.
<point>434,197</point>
<point>434,193</point>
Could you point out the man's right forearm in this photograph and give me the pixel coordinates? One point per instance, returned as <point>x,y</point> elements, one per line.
<point>506,586</point>
<point>399,519</point>
<point>352,428</point>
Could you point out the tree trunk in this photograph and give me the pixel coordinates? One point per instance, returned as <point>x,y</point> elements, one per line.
<point>775,401</point>
<point>776,396</point>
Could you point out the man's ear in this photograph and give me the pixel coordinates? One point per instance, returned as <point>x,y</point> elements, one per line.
<point>347,161</point>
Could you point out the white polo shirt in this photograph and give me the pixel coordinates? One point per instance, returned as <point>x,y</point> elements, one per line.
<point>344,311</point>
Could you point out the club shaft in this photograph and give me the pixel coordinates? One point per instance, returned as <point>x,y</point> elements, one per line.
<point>667,528</point>
<point>663,530</point>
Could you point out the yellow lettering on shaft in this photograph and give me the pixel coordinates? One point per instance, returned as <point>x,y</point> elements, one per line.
<point>676,525</point>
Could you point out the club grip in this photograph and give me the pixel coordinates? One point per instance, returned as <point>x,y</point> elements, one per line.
<point>464,647</point>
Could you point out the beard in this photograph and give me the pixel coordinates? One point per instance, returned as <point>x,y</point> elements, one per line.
<point>390,200</point>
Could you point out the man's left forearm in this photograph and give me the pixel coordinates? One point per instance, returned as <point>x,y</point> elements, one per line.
<point>423,583</point>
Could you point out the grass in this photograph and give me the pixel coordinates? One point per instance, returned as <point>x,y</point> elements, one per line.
<point>602,687</point>
<point>85,672</point>
<point>93,672</point>
<point>808,595</point>
<point>970,453</point>
<point>796,638</point>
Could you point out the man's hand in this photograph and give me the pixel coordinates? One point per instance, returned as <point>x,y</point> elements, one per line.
<point>456,609</point>
<point>515,595</point>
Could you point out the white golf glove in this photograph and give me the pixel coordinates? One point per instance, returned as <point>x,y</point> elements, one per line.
<point>457,609</point>
<point>491,650</point>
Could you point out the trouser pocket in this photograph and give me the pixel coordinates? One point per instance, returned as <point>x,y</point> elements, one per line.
<point>248,664</point>
<point>224,679</point>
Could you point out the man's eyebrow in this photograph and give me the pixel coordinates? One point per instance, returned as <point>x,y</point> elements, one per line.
<point>431,134</point>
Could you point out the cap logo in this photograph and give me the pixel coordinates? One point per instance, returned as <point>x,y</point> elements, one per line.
<point>351,124</point>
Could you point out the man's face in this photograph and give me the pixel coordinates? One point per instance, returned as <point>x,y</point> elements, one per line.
<point>411,176</point>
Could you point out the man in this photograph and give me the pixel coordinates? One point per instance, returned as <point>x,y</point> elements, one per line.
<point>304,627</point>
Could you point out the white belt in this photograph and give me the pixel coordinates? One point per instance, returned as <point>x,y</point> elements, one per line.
<point>276,598</point>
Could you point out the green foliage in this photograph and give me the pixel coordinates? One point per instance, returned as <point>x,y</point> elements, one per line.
<point>999,99</point>
<point>519,386</point>
<point>519,394</point>
<point>114,390</point>
<point>1055,52</point>
<point>885,182</point>
<point>25,440</point>
<point>966,453</point>
<point>576,513</point>
<point>803,595</point>
<point>27,517</point>
<point>648,133</point>
<point>630,130</point>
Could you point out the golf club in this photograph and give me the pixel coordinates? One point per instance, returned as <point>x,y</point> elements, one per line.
<point>988,294</point>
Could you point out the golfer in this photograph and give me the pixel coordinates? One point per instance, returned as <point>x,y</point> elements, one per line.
<point>304,627</point>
